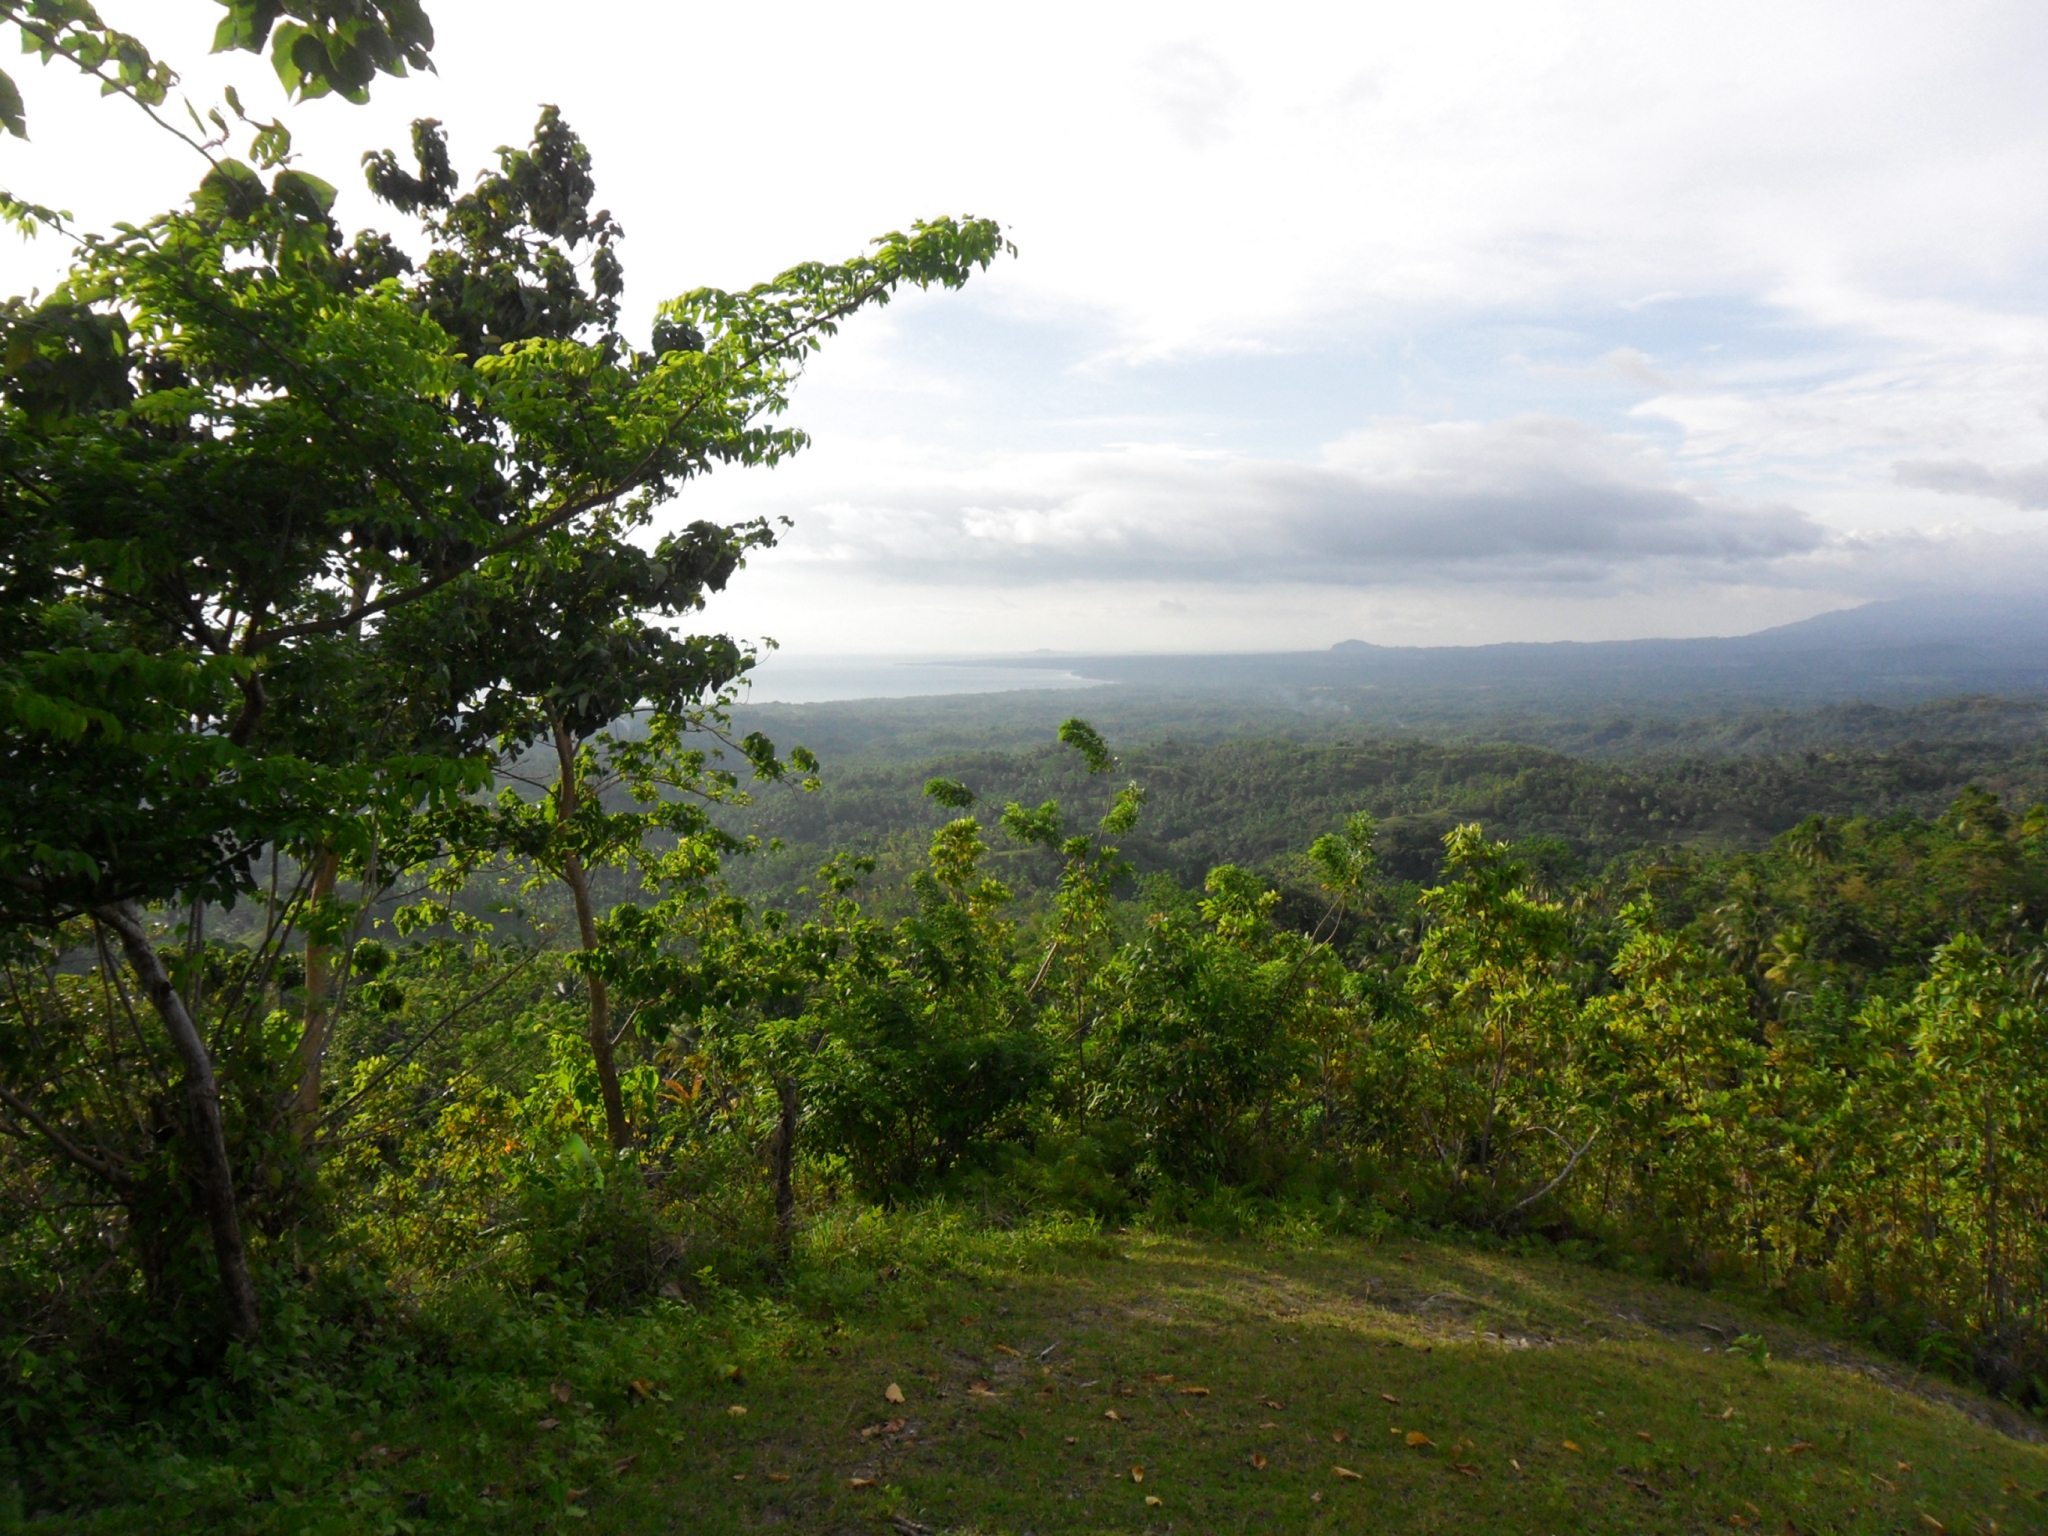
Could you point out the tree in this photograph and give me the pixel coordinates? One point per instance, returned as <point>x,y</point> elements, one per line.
<point>1979,1049</point>
<point>1082,935</point>
<point>234,448</point>
<point>316,47</point>
<point>1496,1029</point>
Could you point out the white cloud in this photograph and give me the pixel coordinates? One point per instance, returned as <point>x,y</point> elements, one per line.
<point>1196,91</point>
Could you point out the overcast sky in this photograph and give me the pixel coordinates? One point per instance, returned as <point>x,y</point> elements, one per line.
<point>1415,324</point>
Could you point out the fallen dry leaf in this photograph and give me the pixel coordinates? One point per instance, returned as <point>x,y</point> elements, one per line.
<point>575,1493</point>
<point>548,1424</point>
<point>1465,1467</point>
<point>1930,1522</point>
<point>1004,1349</point>
<point>1571,1445</point>
<point>1194,1391</point>
<point>1388,1397</point>
<point>738,1410</point>
<point>1346,1472</point>
<point>641,1389</point>
<point>1137,1474</point>
<point>619,1467</point>
<point>1752,1509</point>
<point>1269,1424</point>
<point>966,1322</point>
<point>1111,1413</point>
<point>892,1393</point>
<point>1339,1437</point>
<point>1407,1258</point>
<point>1737,1520</point>
<point>561,1391</point>
<point>1728,1412</point>
<point>1884,1482</point>
<point>1153,1501</point>
<point>1268,1402</point>
<point>860,1482</point>
<point>1902,1466</point>
<point>1258,1462</point>
<point>1797,1446</point>
<point>778,1477</point>
<point>1514,1463</point>
<point>1644,1434</point>
<point>1073,1439</point>
<point>1417,1438</point>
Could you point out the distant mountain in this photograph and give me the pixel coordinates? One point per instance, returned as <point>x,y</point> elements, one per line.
<point>1892,653</point>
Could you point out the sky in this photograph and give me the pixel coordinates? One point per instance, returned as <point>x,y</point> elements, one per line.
<point>1439,324</point>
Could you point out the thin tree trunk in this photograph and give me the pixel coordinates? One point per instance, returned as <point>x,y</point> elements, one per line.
<point>202,1104</point>
<point>578,881</point>
<point>785,1168</point>
<point>1993,1281</point>
<point>319,1006</point>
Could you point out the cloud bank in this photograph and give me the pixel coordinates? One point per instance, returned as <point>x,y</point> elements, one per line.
<point>1529,500</point>
<point>2021,485</point>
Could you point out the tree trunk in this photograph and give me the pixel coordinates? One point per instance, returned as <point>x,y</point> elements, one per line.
<point>202,1105</point>
<point>784,1148</point>
<point>574,876</point>
<point>319,1003</point>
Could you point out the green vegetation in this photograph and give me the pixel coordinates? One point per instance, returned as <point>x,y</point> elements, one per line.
<point>426,1101</point>
<point>1039,1369</point>
<point>1255,801</point>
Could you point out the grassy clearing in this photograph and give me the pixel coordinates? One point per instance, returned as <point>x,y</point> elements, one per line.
<point>1149,1384</point>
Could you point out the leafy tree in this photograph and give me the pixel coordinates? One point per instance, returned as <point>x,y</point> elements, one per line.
<point>1981,1043</point>
<point>1497,1033</point>
<point>236,449</point>
<point>1672,1066</point>
<point>316,47</point>
<point>1082,934</point>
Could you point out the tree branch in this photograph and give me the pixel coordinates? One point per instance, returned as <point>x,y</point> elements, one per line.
<point>1565,1174</point>
<point>56,1138</point>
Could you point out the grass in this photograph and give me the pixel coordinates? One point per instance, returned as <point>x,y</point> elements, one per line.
<point>1146,1384</point>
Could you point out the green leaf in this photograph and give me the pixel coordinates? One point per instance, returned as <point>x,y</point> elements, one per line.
<point>304,193</point>
<point>11,115</point>
<point>231,190</point>
<point>950,793</point>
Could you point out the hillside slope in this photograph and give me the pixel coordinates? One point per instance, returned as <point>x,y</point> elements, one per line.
<point>1149,1384</point>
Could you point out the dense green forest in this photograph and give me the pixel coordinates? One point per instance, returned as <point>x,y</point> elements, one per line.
<point>422,982</point>
<point>894,730</point>
<point>1255,801</point>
